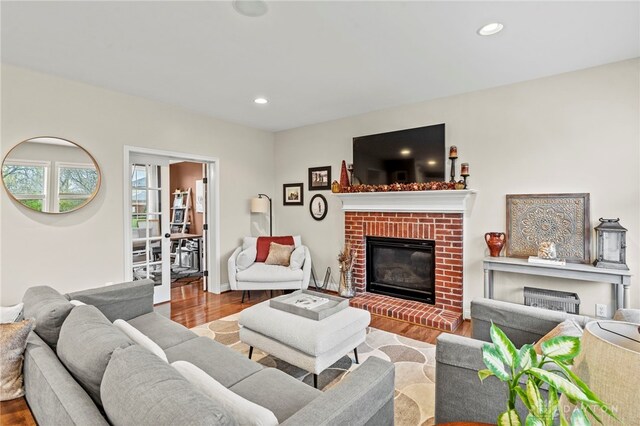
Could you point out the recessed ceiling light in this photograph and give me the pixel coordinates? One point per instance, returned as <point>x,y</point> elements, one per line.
<point>491,29</point>
<point>405,152</point>
<point>431,162</point>
<point>260,101</point>
<point>251,8</point>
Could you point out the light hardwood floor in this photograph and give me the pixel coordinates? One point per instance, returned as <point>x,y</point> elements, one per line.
<point>190,306</point>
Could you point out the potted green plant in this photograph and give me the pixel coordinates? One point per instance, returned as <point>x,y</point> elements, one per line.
<point>512,365</point>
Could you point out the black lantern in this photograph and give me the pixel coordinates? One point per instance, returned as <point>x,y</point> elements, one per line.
<point>611,245</point>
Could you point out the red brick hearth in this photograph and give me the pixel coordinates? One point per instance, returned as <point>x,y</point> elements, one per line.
<point>446,230</point>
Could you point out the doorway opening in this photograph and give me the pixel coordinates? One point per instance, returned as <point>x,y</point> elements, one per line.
<point>188,221</point>
<point>171,220</point>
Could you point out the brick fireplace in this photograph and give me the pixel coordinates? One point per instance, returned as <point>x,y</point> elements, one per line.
<point>382,215</point>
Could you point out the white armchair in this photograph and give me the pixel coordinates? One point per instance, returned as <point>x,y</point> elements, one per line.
<point>260,276</point>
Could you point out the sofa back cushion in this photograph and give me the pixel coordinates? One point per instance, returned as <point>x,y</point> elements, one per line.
<point>87,340</point>
<point>49,309</point>
<point>112,302</point>
<point>263,244</point>
<point>139,388</point>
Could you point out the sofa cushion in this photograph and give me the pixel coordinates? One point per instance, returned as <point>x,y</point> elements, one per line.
<point>297,258</point>
<point>243,411</point>
<point>11,313</point>
<point>249,242</point>
<point>13,341</point>
<point>87,340</point>
<point>164,332</point>
<point>276,391</point>
<point>109,299</point>
<point>140,389</point>
<point>567,327</point>
<point>223,364</point>
<point>246,258</point>
<point>278,254</point>
<point>264,243</point>
<point>628,315</point>
<point>54,397</point>
<point>49,309</point>
<point>139,338</point>
<point>260,272</point>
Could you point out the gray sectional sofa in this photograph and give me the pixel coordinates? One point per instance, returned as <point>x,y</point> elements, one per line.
<point>81,370</point>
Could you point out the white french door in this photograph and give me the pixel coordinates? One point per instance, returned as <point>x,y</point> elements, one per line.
<point>149,228</point>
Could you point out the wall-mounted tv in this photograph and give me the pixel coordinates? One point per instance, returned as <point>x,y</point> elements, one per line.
<point>403,156</point>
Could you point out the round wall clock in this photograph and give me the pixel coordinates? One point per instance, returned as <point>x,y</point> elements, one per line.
<point>318,207</point>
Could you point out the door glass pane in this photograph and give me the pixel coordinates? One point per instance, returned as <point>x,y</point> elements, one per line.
<point>138,176</point>
<point>146,222</point>
<point>138,201</point>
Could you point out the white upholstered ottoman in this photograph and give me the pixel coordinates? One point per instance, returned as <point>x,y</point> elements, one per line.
<point>303,342</point>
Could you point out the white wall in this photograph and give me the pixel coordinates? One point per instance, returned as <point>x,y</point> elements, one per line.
<point>574,132</point>
<point>85,248</point>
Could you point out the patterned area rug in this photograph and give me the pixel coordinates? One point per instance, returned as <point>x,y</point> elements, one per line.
<point>414,362</point>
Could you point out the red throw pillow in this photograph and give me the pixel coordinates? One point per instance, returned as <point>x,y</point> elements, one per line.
<point>263,243</point>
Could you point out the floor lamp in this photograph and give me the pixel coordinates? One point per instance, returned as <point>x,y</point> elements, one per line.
<point>262,205</point>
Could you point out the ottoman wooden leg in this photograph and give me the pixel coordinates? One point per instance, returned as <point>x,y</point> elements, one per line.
<point>250,351</point>
<point>315,381</point>
<point>355,352</point>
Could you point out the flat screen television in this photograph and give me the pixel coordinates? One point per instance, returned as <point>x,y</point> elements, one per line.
<point>403,156</point>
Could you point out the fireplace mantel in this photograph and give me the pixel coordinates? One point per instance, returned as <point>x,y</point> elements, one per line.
<point>443,201</point>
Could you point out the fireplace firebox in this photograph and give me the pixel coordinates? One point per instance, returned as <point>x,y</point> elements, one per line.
<point>403,268</point>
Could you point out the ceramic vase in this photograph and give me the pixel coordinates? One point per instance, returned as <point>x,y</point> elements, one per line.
<point>495,241</point>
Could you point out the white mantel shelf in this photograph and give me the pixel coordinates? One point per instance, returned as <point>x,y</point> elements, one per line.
<point>438,201</point>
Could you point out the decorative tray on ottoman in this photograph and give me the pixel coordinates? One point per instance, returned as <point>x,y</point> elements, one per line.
<point>309,304</point>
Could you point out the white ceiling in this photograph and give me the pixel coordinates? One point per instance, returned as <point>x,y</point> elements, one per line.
<point>314,61</point>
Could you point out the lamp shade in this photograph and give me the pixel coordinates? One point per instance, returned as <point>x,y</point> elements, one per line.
<point>259,205</point>
<point>609,363</point>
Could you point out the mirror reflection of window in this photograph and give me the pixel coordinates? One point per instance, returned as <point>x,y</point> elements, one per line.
<point>27,181</point>
<point>50,175</point>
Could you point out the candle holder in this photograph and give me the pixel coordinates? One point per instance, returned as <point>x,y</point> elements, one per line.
<point>453,169</point>
<point>464,177</point>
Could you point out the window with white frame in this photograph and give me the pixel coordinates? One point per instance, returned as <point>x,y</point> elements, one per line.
<point>75,185</point>
<point>28,182</point>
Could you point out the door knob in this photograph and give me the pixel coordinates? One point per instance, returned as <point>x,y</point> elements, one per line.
<point>167,235</point>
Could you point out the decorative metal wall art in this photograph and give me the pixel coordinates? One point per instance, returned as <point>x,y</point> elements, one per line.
<point>562,219</point>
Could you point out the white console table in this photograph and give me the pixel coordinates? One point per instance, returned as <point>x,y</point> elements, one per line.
<point>621,280</point>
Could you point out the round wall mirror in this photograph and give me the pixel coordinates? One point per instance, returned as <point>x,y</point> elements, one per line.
<point>50,175</point>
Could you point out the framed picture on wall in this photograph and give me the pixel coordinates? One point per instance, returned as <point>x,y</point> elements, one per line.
<point>292,194</point>
<point>319,178</point>
<point>318,207</point>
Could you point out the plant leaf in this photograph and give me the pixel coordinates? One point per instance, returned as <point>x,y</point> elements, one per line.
<point>583,386</point>
<point>563,420</point>
<point>535,400</point>
<point>593,414</point>
<point>552,407</point>
<point>533,421</point>
<point>563,348</point>
<point>483,374</point>
<point>493,361</point>
<point>504,346</point>
<point>523,396</point>
<point>561,384</point>
<point>509,418</point>
<point>525,357</point>
<point>578,418</point>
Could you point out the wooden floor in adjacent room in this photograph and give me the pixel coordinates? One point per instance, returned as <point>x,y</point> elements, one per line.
<point>191,306</point>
